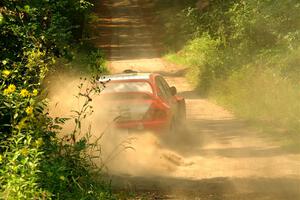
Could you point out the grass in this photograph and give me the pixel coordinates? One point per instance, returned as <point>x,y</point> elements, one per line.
<point>245,60</point>
<point>264,92</point>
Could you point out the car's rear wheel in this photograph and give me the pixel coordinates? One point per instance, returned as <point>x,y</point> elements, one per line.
<point>181,116</point>
<point>177,124</point>
<point>169,132</point>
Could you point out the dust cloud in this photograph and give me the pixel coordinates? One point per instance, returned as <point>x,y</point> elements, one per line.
<point>208,148</point>
<point>209,158</point>
<point>138,153</point>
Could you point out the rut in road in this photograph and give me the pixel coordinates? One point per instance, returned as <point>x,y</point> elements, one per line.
<point>215,145</point>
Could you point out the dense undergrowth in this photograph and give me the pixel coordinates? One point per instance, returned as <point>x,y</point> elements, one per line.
<point>244,53</point>
<point>34,162</point>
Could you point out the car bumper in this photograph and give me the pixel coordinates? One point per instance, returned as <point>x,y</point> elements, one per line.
<point>144,125</point>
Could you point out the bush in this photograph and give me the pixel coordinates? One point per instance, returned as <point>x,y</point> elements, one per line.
<point>245,29</point>
<point>86,60</point>
<point>200,55</point>
<point>67,168</point>
<point>96,62</point>
<point>243,53</point>
<point>261,95</point>
<point>34,162</point>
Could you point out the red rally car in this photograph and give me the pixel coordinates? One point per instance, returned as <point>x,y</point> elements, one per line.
<point>144,101</point>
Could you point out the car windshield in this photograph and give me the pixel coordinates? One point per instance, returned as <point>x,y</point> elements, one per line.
<point>116,87</point>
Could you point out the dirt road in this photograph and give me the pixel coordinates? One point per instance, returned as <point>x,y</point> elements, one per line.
<point>219,157</point>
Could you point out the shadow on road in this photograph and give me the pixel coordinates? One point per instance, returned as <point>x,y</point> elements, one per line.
<point>123,31</point>
<point>210,189</point>
<point>201,133</point>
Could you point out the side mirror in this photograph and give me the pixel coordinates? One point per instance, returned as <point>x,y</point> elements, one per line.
<point>173,90</point>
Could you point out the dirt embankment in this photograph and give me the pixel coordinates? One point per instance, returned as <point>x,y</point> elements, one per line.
<point>218,157</point>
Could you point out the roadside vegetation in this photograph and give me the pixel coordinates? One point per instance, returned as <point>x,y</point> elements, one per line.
<point>244,54</point>
<point>36,38</point>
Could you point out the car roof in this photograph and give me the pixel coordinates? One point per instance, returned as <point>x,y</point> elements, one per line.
<point>125,76</point>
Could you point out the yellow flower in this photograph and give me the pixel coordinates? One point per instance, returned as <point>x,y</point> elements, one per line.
<point>35,92</point>
<point>1,158</point>
<point>6,92</point>
<point>24,151</point>
<point>29,110</point>
<point>10,89</point>
<point>39,142</point>
<point>6,73</point>
<point>24,93</point>
<point>62,178</point>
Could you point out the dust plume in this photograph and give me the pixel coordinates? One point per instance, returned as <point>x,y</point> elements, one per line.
<point>122,151</point>
<point>210,157</point>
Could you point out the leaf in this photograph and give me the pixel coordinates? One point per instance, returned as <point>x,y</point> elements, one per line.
<point>1,19</point>
<point>7,104</point>
<point>81,144</point>
<point>27,8</point>
<point>61,120</point>
<point>16,115</point>
<point>56,127</point>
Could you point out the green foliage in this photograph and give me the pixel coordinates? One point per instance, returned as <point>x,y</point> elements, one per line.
<point>200,55</point>
<point>19,169</point>
<point>179,31</point>
<point>261,95</point>
<point>245,29</point>
<point>86,60</point>
<point>34,162</point>
<point>97,62</point>
<point>67,169</point>
<point>23,132</point>
<point>243,53</point>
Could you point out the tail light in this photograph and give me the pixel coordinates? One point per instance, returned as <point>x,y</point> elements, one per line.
<point>155,113</point>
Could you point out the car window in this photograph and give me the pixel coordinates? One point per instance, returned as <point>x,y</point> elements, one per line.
<point>166,87</point>
<point>161,89</point>
<point>135,86</point>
